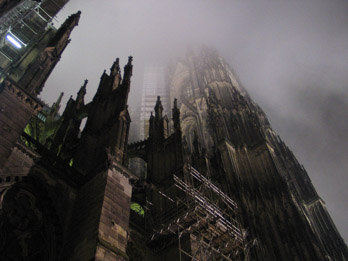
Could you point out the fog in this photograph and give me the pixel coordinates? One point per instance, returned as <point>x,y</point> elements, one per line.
<point>291,56</point>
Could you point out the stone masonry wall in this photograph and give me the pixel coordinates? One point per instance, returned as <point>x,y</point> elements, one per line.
<point>114,221</point>
<point>12,125</point>
<point>83,229</point>
<point>99,229</point>
<point>17,166</point>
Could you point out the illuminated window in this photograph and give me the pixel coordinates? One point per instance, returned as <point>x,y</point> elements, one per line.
<point>137,209</point>
<point>41,117</point>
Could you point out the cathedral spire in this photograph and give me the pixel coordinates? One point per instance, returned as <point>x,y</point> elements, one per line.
<point>158,108</point>
<point>82,90</point>
<point>56,106</point>
<point>125,86</point>
<point>115,74</point>
<point>60,40</point>
<point>115,68</point>
<point>81,95</point>
<point>34,78</point>
<point>105,135</point>
<point>128,71</point>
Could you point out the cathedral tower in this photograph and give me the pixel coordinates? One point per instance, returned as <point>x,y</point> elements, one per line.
<point>278,203</point>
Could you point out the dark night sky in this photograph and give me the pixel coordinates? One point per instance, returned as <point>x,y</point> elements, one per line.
<point>292,57</point>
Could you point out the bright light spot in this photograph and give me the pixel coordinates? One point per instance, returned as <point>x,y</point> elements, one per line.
<point>13,41</point>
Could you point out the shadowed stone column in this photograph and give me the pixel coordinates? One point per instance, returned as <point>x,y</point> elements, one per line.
<point>114,219</point>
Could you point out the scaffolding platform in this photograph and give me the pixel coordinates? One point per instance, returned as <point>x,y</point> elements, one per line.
<point>208,216</point>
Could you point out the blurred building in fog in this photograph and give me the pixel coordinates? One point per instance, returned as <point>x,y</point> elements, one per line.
<point>154,84</point>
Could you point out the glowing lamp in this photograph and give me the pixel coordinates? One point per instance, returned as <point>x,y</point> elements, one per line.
<point>13,41</point>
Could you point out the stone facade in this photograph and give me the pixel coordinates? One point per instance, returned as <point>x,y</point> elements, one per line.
<point>82,208</point>
<point>278,202</point>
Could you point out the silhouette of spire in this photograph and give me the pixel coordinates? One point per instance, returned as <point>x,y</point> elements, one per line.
<point>81,95</point>
<point>158,108</point>
<point>41,67</point>
<point>115,68</point>
<point>128,71</point>
<point>56,106</point>
<point>65,30</point>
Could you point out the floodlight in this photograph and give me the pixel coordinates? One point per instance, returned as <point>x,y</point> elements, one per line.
<point>13,41</point>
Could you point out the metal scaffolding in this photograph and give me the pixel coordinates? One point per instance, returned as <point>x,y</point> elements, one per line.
<point>208,216</point>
